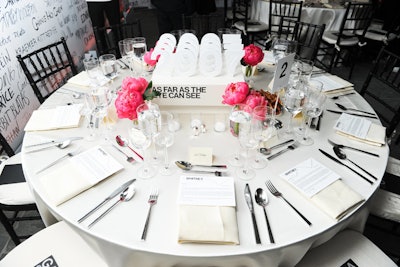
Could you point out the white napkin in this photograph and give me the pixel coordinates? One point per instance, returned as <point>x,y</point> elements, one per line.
<point>376,135</point>
<point>337,199</point>
<point>208,224</point>
<point>82,79</point>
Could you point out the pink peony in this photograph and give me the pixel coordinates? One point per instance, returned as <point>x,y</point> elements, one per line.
<point>130,97</point>
<point>255,99</point>
<point>235,93</point>
<point>147,58</point>
<point>253,55</point>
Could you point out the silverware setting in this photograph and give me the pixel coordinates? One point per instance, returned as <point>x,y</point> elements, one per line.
<point>341,155</point>
<point>352,148</point>
<point>68,155</point>
<point>152,201</point>
<point>278,194</point>
<point>290,147</point>
<point>262,200</point>
<point>267,150</point>
<point>353,109</point>
<point>54,141</point>
<point>125,196</point>
<point>347,166</point>
<point>337,96</point>
<point>128,158</point>
<point>249,201</point>
<point>351,113</point>
<point>113,194</point>
<point>60,145</point>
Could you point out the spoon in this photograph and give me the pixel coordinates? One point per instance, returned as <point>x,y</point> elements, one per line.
<point>187,165</point>
<point>125,196</point>
<point>340,153</point>
<point>187,169</point>
<point>124,143</point>
<point>262,200</point>
<point>353,109</point>
<point>128,158</point>
<point>267,150</point>
<point>337,97</point>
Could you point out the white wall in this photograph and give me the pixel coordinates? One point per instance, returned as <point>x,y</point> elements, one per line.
<point>24,27</point>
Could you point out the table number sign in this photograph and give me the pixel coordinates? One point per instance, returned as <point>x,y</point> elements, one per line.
<point>282,72</point>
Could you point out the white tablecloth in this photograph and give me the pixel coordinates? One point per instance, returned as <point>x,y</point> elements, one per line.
<point>117,236</point>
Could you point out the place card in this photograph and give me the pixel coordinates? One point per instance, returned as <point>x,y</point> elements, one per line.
<point>201,155</point>
<point>61,117</point>
<point>78,174</point>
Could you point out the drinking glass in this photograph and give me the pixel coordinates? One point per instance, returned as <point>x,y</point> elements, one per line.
<point>314,104</point>
<point>306,69</point>
<point>139,49</point>
<point>142,142</point>
<point>248,140</point>
<point>263,120</point>
<point>165,138</point>
<point>98,100</point>
<point>240,115</point>
<point>149,120</point>
<point>91,66</point>
<point>293,103</point>
<point>282,48</point>
<point>126,49</point>
<point>108,65</point>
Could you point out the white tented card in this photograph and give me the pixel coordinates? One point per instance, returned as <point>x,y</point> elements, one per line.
<point>282,72</point>
<point>353,125</point>
<point>310,177</point>
<point>207,191</point>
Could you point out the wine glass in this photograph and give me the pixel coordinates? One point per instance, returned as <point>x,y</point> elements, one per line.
<point>139,49</point>
<point>314,104</point>
<point>240,114</point>
<point>248,139</point>
<point>293,103</point>
<point>165,138</point>
<point>142,142</point>
<point>98,100</point>
<point>108,65</point>
<point>282,48</point>
<point>263,123</point>
<point>92,69</point>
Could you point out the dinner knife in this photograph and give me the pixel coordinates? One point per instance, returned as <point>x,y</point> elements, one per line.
<point>354,114</point>
<point>341,163</point>
<point>319,121</point>
<point>249,201</point>
<point>55,141</point>
<point>113,194</point>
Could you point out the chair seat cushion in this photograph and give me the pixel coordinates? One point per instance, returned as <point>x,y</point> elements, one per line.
<point>346,245</point>
<point>331,37</point>
<point>252,26</point>
<point>385,204</point>
<point>376,36</point>
<point>16,194</point>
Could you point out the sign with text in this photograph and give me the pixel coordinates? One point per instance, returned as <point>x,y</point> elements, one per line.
<point>282,72</point>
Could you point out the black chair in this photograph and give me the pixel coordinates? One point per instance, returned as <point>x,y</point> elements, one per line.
<point>342,46</point>
<point>107,38</point>
<point>18,205</point>
<point>308,36</point>
<point>280,10</point>
<point>48,68</point>
<point>203,24</point>
<point>249,28</point>
<point>382,87</point>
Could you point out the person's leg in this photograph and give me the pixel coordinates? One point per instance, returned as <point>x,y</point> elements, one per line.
<point>96,13</point>
<point>112,12</point>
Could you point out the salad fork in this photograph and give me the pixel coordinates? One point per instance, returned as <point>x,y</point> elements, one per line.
<point>152,201</point>
<point>291,147</point>
<point>276,193</point>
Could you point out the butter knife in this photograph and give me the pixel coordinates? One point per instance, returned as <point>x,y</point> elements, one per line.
<point>113,194</point>
<point>341,163</point>
<point>354,114</point>
<point>249,201</point>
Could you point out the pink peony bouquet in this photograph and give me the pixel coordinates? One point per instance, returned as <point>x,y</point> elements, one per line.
<point>240,93</point>
<point>252,56</point>
<point>134,91</point>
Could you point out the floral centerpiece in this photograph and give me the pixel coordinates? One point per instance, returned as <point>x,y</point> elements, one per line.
<point>134,91</point>
<point>252,56</point>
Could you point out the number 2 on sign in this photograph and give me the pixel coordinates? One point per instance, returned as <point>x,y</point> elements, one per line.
<point>281,79</point>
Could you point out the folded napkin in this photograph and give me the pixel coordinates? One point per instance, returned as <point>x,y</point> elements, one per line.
<point>376,135</point>
<point>61,117</point>
<point>337,199</point>
<point>82,79</point>
<point>333,84</point>
<point>208,224</point>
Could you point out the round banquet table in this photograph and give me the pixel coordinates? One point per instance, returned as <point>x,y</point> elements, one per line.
<point>117,237</point>
<point>331,17</point>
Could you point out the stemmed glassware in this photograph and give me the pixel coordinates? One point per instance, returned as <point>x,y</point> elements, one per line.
<point>142,142</point>
<point>165,138</point>
<point>282,48</point>
<point>293,103</point>
<point>248,139</point>
<point>240,115</point>
<point>92,69</point>
<point>314,104</point>
<point>263,120</point>
<point>139,49</point>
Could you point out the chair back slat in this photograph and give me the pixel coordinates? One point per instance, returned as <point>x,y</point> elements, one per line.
<point>278,10</point>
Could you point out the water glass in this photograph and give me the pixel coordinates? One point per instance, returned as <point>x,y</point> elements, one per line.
<point>142,142</point>
<point>92,69</point>
<point>108,65</point>
<point>139,49</point>
<point>164,139</point>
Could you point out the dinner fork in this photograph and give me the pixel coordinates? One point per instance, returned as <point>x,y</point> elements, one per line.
<point>152,201</point>
<point>276,193</point>
<point>291,147</point>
